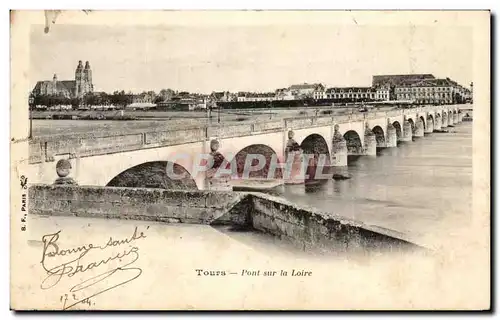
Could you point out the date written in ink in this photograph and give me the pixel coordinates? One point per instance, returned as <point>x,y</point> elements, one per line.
<point>71,298</point>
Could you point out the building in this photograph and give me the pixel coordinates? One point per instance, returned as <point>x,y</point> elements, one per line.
<point>396,80</point>
<point>429,91</point>
<point>351,93</point>
<point>383,93</point>
<point>68,88</point>
<point>145,97</point>
<point>319,93</point>
<point>223,96</point>
<point>305,90</point>
<point>247,96</point>
<point>471,92</point>
<point>183,104</point>
<point>284,94</point>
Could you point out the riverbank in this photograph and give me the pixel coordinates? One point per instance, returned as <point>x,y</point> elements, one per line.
<point>95,116</point>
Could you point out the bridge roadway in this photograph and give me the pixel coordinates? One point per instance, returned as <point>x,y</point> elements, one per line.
<point>100,159</point>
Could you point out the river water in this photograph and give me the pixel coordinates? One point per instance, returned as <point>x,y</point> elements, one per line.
<point>420,188</point>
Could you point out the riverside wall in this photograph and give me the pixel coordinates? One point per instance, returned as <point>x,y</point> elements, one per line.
<point>307,228</point>
<point>170,206</point>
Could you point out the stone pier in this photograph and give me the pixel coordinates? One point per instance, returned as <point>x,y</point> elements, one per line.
<point>419,128</point>
<point>444,122</point>
<point>294,170</point>
<point>339,152</point>
<point>370,147</point>
<point>392,138</point>
<point>407,131</point>
<point>455,118</point>
<point>430,126</point>
<point>437,124</point>
<point>295,162</point>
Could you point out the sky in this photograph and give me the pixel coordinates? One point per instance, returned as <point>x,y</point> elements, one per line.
<point>247,58</point>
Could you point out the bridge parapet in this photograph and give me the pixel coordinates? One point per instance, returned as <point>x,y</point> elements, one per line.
<point>343,118</point>
<point>357,116</point>
<point>323,121</point>
<point>175,136</point>
<point>268,126</point>
<point>296,123</point>
<point>76,146</point>
<point>229,131</point>
<point>45,149</point>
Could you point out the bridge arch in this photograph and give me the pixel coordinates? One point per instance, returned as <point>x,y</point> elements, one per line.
<point>155,174</point>
<point>315,144</point>
<point>379,136</point>
<point>353,142</point>
<point>399,132</point>
<point>270,168</point>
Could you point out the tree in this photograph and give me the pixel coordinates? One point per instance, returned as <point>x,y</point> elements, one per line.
<point>120,98</point>
<point>51,100</point>
<point>166,94</point>
<point>76,102</point>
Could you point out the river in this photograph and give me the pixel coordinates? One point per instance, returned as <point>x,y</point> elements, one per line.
<point>422,188</point>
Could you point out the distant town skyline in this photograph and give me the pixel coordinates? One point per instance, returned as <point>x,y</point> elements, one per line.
<point>256,58</point>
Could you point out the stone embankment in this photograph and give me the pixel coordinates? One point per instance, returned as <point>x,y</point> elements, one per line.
<point>305,227</point>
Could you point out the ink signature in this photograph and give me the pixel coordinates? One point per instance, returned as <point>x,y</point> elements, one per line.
<point>78,261</point>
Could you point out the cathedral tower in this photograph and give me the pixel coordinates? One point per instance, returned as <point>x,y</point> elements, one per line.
<point>79,86</point>
<point>54,84</point>
<point>87,78</point>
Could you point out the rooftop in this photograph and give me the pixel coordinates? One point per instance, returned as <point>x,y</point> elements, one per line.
<point>354,89</point>
<point>399,79</point>
<point>305,86</point>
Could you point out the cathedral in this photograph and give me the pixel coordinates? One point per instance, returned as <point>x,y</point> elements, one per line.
<point>68,88</point>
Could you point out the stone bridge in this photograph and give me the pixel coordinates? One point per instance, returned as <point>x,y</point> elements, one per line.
<point>138,159</point>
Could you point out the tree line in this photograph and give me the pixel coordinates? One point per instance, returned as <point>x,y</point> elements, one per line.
<point>117,98</point>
